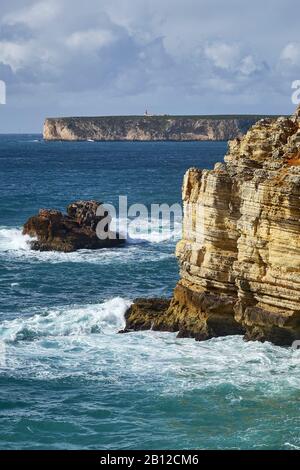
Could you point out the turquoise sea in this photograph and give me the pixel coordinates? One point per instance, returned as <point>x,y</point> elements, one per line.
<point>67,380</point>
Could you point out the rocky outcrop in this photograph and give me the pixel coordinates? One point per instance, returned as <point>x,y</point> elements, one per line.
<point>147,128</point>
<point>240,252</point>
<point>147,314</point>
<point>54,231</point>
<point>157,315</point>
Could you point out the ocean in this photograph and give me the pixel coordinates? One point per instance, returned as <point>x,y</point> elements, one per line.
<point>67,379</point>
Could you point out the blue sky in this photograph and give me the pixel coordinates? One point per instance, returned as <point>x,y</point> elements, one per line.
<point>98,57</point>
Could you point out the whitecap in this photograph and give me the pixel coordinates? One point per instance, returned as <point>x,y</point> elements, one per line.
<point>12,239</point>
<point>15,245</point>
<point>148,230</point>
<point>291,446</point>
<point>66,321</point>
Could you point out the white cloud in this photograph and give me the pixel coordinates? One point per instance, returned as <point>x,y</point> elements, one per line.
<point>90,40</point>
<point>224,56</point>
<point>248,65</point>
<point>192,56</point>
<point>230,59</point>
<point>291,53</point>
<point>14,55</point>
<point>35,16</point>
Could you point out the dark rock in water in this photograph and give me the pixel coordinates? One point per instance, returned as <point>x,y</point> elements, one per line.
<point>202,315</point>
<point>146,314</point>
<point>76,230</point>
<point>190,322</point>
<point>84,213</point>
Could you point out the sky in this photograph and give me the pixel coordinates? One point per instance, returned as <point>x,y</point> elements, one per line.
<point>106,57</point>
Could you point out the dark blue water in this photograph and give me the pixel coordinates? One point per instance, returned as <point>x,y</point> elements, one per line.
<point>67,380</point>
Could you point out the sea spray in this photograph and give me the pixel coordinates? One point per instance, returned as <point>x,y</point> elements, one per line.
<point>66,321</point>
<point>12,239</point>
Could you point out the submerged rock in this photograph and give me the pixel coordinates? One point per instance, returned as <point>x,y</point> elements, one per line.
<point>55,231</point>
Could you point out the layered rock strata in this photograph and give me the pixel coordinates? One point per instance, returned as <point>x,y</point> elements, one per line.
<point>148,128</point>
<point>54,231</point>
<point>240,252</point>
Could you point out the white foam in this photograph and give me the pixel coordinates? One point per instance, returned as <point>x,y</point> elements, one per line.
<point>66,321</point>
<point>291,446</point>
<point>14,244</point>
<point>81,341</point>
<point>151,231</point>
<point>12,239</point>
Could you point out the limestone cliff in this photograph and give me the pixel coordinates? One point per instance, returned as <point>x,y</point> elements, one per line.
<point>147,128</point>
<point>240,252</point>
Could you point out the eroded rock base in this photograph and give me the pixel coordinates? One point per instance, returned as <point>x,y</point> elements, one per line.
<point>199,315</point>
<point>204,315</point>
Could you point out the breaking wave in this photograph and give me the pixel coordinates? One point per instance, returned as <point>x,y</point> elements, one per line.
<point>14,244</point>
<point>66,321</point>
<point>12,239</point>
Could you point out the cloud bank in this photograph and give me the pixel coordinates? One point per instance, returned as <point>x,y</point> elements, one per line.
<point>65,57</point>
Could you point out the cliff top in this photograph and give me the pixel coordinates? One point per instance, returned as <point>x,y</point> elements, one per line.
<point>169,116</point>
<point>269,144</point>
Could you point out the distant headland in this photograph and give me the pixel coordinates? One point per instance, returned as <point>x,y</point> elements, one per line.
<point>150,127</point>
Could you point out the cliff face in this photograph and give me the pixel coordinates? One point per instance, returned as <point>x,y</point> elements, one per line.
<point>241,242</point>
<point>240,252</point>
<point>148,128</point>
